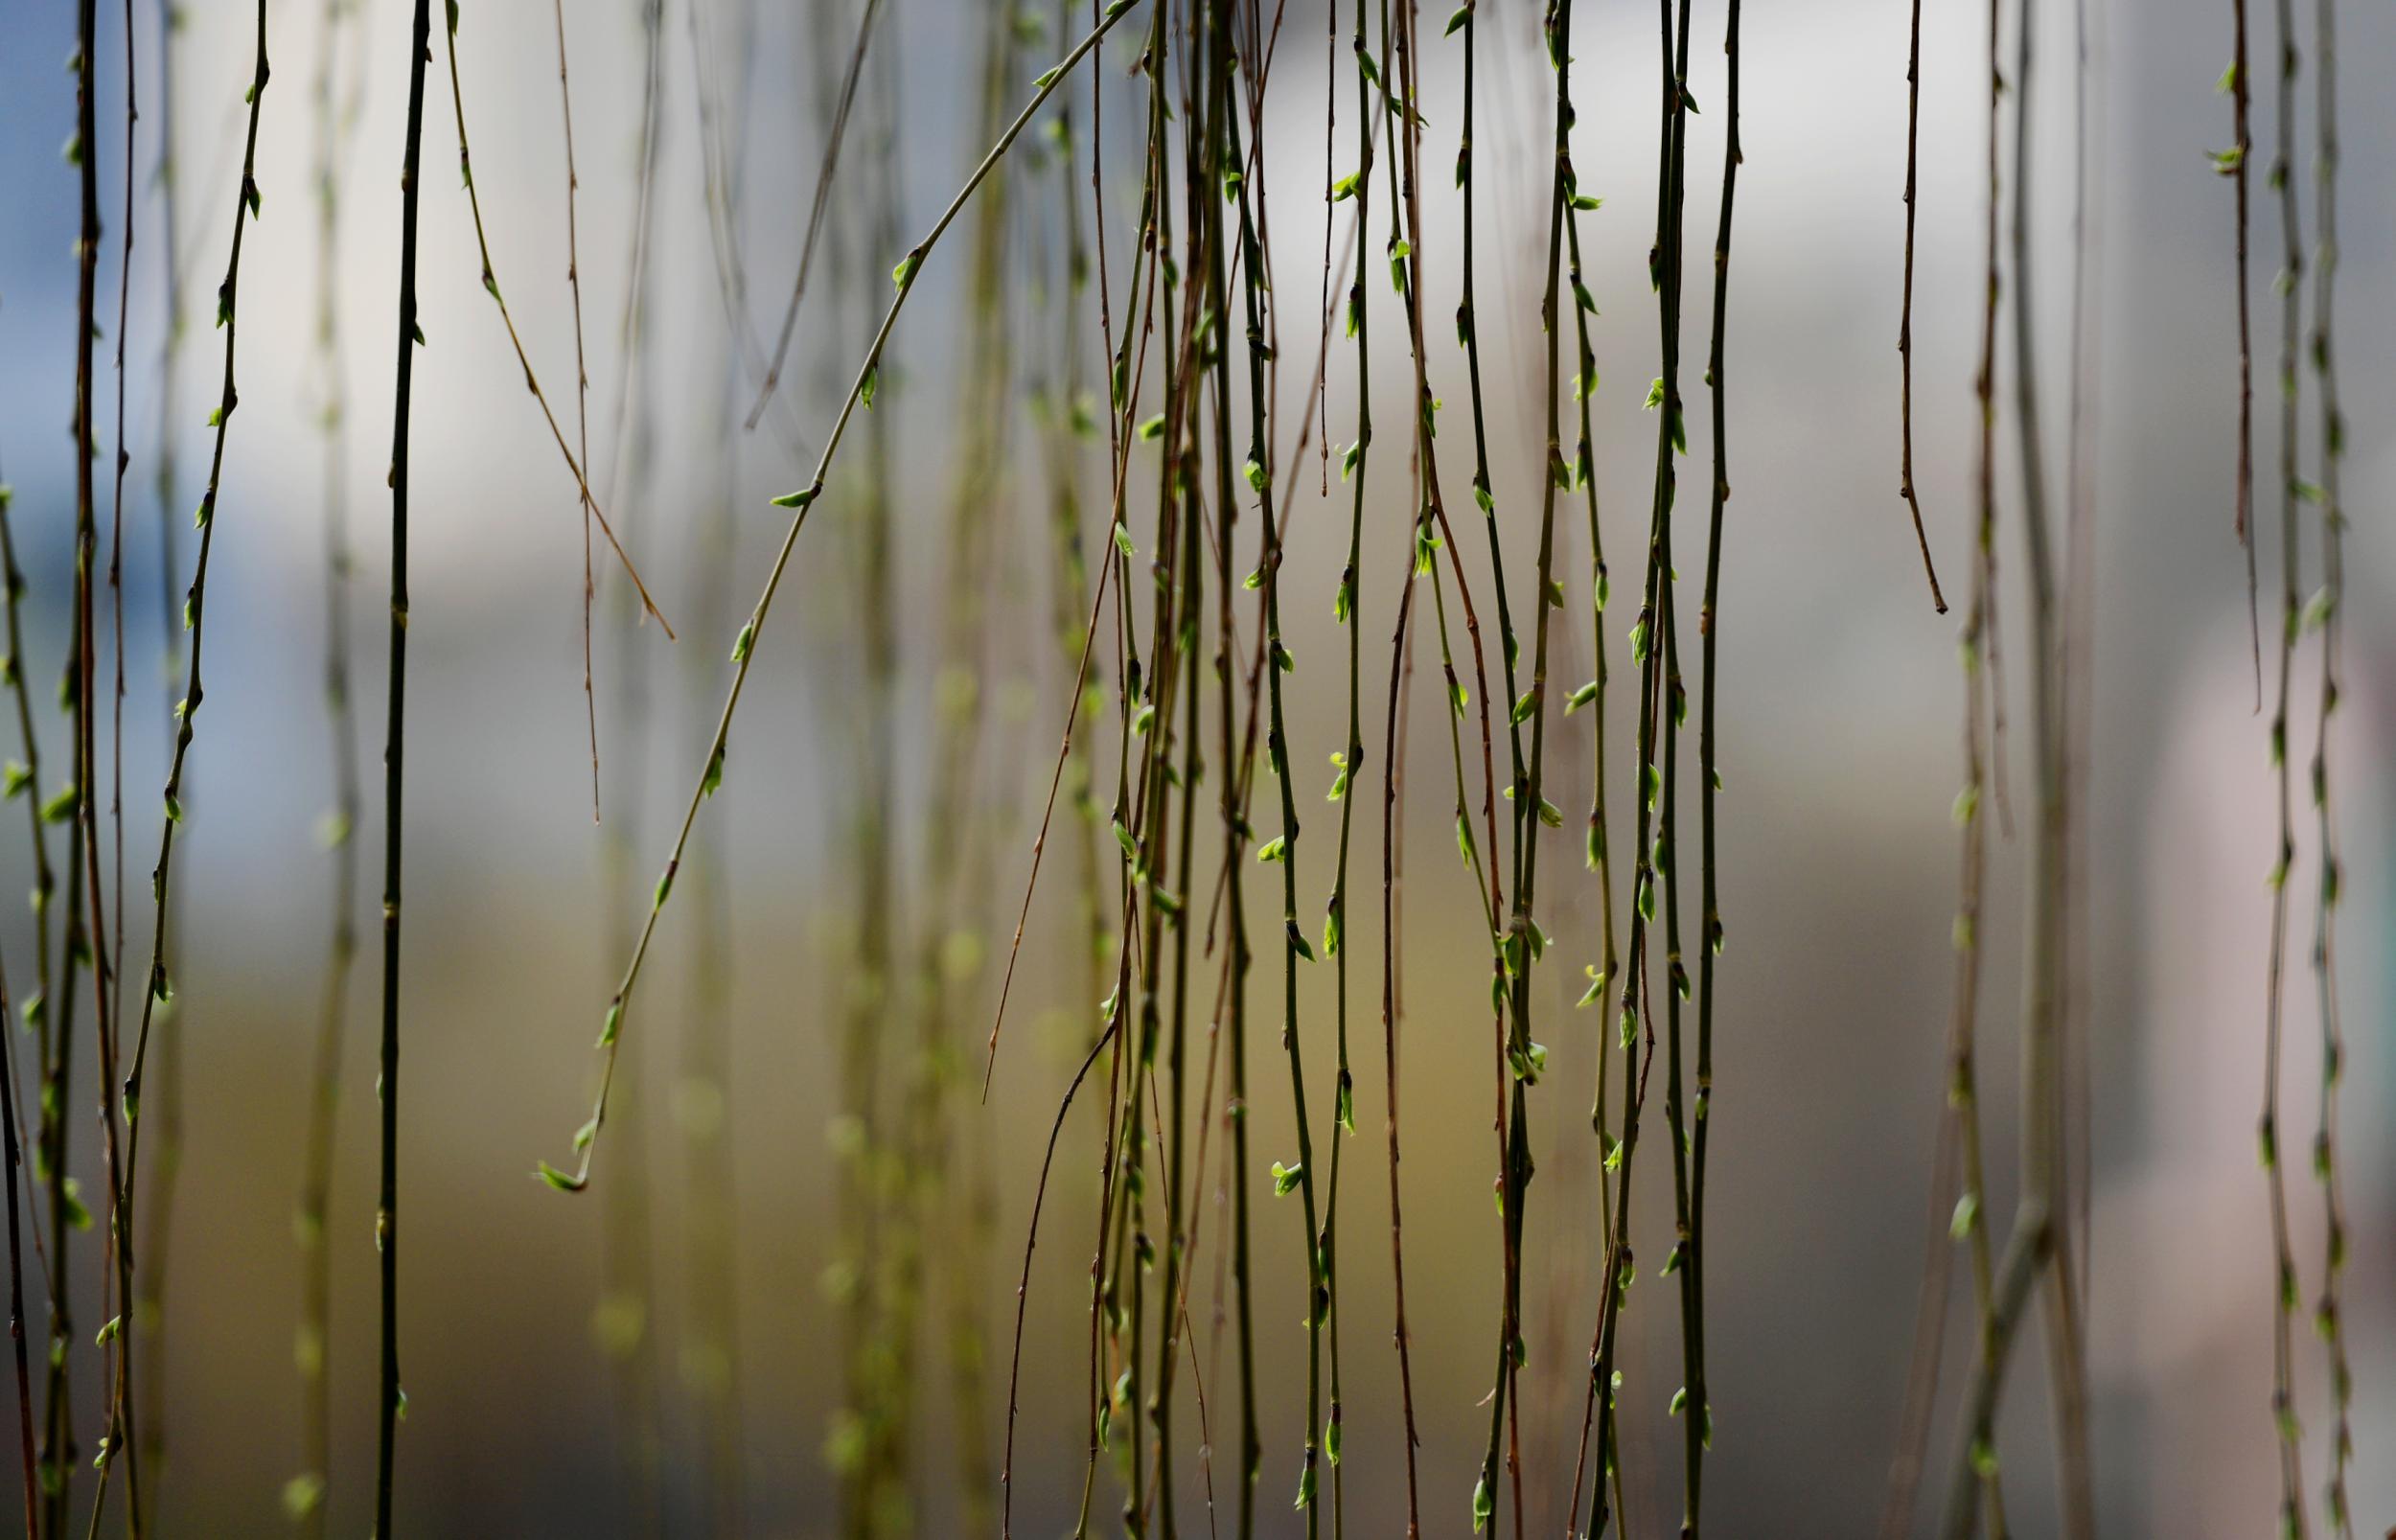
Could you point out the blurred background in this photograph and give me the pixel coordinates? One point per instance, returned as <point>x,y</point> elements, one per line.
<point>1841,717</point>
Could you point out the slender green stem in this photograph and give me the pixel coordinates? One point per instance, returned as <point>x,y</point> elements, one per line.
<point>2233,161</point>
<point>860,1434</point>
<point>622,1317</point>
<point>304,1494</point>
<point>151,1281</point>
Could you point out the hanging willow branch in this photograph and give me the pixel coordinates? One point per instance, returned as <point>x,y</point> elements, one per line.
<point>2284,1286</point>
<point>2323,610</point>
<point>304,1494</point>
<point>390,1398</point>
<point>194,613</point>
<point>1700,1411</point>
<point>1651,651</point>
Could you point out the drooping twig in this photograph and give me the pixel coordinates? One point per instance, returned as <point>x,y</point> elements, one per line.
<point>304,1494</point>
<point>2037,1250</point>
<point>532,382</point>
<point>19,786</point>
<point>582,393</point>
<point>1649,651</point>
<point>2287,1428</point>
<point>159,988</point>
<point>860,1433</point>
<point>390,1396</point>
<point>1905,314</point>
<point>2232,163</point>
<point>1957,1162</point>
<point>24,780</point>
<point>16,1271</point>
<point>84,850</point>
<point>2329,1314</point>
<point>1700,1411</point>
<point>84,153</point>
<point>833,140</point>
<point>621,1321</point>
<point>150,1282</point>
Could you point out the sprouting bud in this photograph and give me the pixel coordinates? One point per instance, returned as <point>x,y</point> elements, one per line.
<point>302,1494</point>
<point>1285,1178</point>
<point>1967,1215</point>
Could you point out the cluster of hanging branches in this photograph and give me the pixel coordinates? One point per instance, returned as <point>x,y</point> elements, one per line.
<point>1167,619</point>
<point>2046,1250</point>
<point>1192,436</point>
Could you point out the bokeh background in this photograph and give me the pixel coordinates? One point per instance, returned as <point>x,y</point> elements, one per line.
<point>1841,713</point>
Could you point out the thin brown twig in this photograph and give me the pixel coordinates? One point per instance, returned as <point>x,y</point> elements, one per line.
<point>532,382</point>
